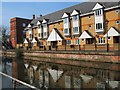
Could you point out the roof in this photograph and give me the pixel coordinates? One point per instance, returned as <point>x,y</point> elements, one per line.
<point>85,7</point>
<point>112,32</point>
<point>85,34</point>
<point>55,35</point>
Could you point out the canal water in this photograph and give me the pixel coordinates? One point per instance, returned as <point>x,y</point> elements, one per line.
<point>46,75</point>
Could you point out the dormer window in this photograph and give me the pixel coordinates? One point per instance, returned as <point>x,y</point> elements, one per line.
<point>66,23</point>
<point>98,12</point>
<point>65,20</point>
<point>39,26</point>
<point>75,22</point>
<point>45,28</point>
<point>75,17</point>
<point>99,17</point>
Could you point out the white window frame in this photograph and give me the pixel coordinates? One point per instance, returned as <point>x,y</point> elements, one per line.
<point>77,42</point>
<point>98,25</point>
<point>75,29</point>
<point>98,12</point>
<point>117,21</point>
<point>75,17</point>
<point>102,40</point>
<point>68,41</point>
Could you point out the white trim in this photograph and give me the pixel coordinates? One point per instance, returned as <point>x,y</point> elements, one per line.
<point>74,12</point>
<point>97,6</point>
<point>55,74</point>
<point>86,78</point>
<point>54,36</point>
<point>85,35</point>
<point>35,67</point>
<point>44,21</point>
<point>38,23</point>
<point>25,41</point>
<point>26,65</point>
<point>111,8</point>
<point>112,32</point>
<point>34,41</point>
<point>64,15</point>
<point>29,26</point>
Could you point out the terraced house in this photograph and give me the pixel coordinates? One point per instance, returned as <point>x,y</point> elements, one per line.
<point>86,26</point>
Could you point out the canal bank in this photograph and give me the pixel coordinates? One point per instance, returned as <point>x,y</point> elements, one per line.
<point>109,57</point>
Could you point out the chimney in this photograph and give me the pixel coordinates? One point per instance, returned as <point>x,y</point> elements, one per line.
<point>40,15</point>
<point>33,17</point>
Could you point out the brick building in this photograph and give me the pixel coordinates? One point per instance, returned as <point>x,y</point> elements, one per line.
<point>17,26</point>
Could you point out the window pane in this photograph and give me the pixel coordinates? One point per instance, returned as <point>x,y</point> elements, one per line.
<point>65,20</point>
<point>66,31</point>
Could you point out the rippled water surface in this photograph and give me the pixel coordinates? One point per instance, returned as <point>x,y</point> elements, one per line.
<point>91,75</point>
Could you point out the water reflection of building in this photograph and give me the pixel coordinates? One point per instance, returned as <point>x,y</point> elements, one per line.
<point>64,76</point>
<point>18,69</point>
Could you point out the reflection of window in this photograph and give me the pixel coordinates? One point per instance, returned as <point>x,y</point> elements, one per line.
<point>66,31</point>
<point>75,29</point>
<point>68,41</point>
<point>98,12</point>
<point>101,40</point>
<point>99,26</point>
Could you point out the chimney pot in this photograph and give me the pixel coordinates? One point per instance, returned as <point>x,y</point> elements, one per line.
<point>33,17</point>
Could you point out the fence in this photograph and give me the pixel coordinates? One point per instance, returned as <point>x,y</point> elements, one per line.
<point>87,47</point>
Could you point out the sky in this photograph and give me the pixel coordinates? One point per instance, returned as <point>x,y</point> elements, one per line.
<point>27,9</point>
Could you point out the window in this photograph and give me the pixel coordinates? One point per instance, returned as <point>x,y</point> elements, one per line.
<point>101,40</point>
<point>117,22</point>
<point>99,26</point>
<point>66,31</point>
<point>44,25</point>
<point>68,42</point>
<point>77,41</point>
<point>75,29</point>
<point>108,38</point>
<point>39,26</point>
<point>23,24</point>
<point>30,35</point>
<point>89,17</point>
<point>45,34</point>
<point>82,40</point>
<point>90,26</point>
<point>39,34</point>
<point>41,43</point>
<point>65,20</point>
<point>75,17</point>
<point>98,12</point>
<point>117,11</point>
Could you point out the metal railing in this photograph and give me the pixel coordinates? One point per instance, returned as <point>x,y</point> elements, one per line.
<point>16,81</point>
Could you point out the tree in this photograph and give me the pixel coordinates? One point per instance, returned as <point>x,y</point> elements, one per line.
<point>4,33</point>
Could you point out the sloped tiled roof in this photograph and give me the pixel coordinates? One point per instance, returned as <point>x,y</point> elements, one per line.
<point>85,7</point>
